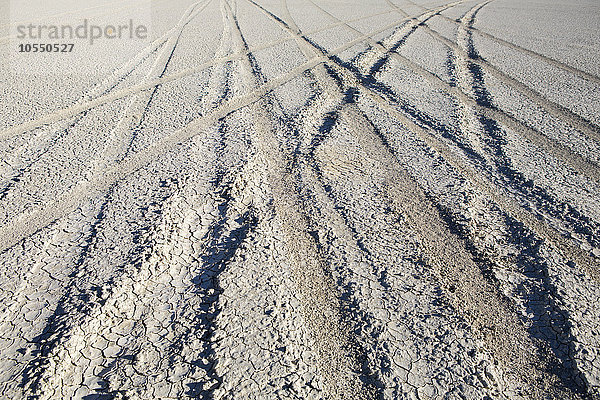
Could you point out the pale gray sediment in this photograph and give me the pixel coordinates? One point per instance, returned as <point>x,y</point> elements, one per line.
<point>308,199</point>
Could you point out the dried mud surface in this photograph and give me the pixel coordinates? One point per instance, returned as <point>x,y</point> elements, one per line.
<point>310,199</point>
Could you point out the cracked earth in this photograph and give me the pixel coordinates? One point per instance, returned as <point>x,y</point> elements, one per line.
<point>309,199</point>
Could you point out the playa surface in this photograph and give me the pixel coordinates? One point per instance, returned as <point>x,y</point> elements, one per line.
<point>303,199</point>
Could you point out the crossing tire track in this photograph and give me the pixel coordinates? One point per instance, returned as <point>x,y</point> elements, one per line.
<point>352,228</point>
<point>47,138</point>
<point>320,305</point>
<point>555,63</point>
<point>558,111</point>
<point>566,246</point>
<point>104,98</point>
<point>32,221</point>
<point>557,149</point>
<point>506,350</point>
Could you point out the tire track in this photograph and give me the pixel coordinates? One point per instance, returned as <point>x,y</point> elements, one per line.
<point>574,219</point>
<point>140,104</point>
<point>320,306</point>
<point>117,147</point>
<point>388,106</point>
<point>176,315</point>
<point>106,98</point>
<point>396,276</point>
<point>151,311</point>
<point>259,327</point>
<point>585,261</point>
<point>15,235</point>
<point>23,321</point>
<point>555,63</point>
<point>105,372</point>
<point>476,299</point>
<point>588,168</point>
<point>577,221</point>
<point>187,257</point>
<point>132,114</point>
<point>44,338</point>
<point>71,291</point>
<point>325,85</point>
<point>360,267</point>
<point>485,182</point>
<point>58,326</point>
<point>351,311</point>
<point>544,202</point>
<point>380,337</point>
<point>540,283</point>
<point>470,81</point>
<point>562,113</point>
<point>72,199</point>
<point>101,158</point>
<point>487,312</point>
<point>64,359</point>
<point>372,60</point>
<point>27,224</point>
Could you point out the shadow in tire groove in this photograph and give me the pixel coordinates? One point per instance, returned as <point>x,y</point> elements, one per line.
<point>540,301</point>
<point>535,268</point>
<point>420,117</point>
<point>77,302</point>
<point>351,310</point>
<point>496,140</point>
<point>550,323</point>
<point>55,328</point>
<point>215,261</point>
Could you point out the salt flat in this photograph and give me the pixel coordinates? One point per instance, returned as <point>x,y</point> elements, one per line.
<point>304,199</point>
